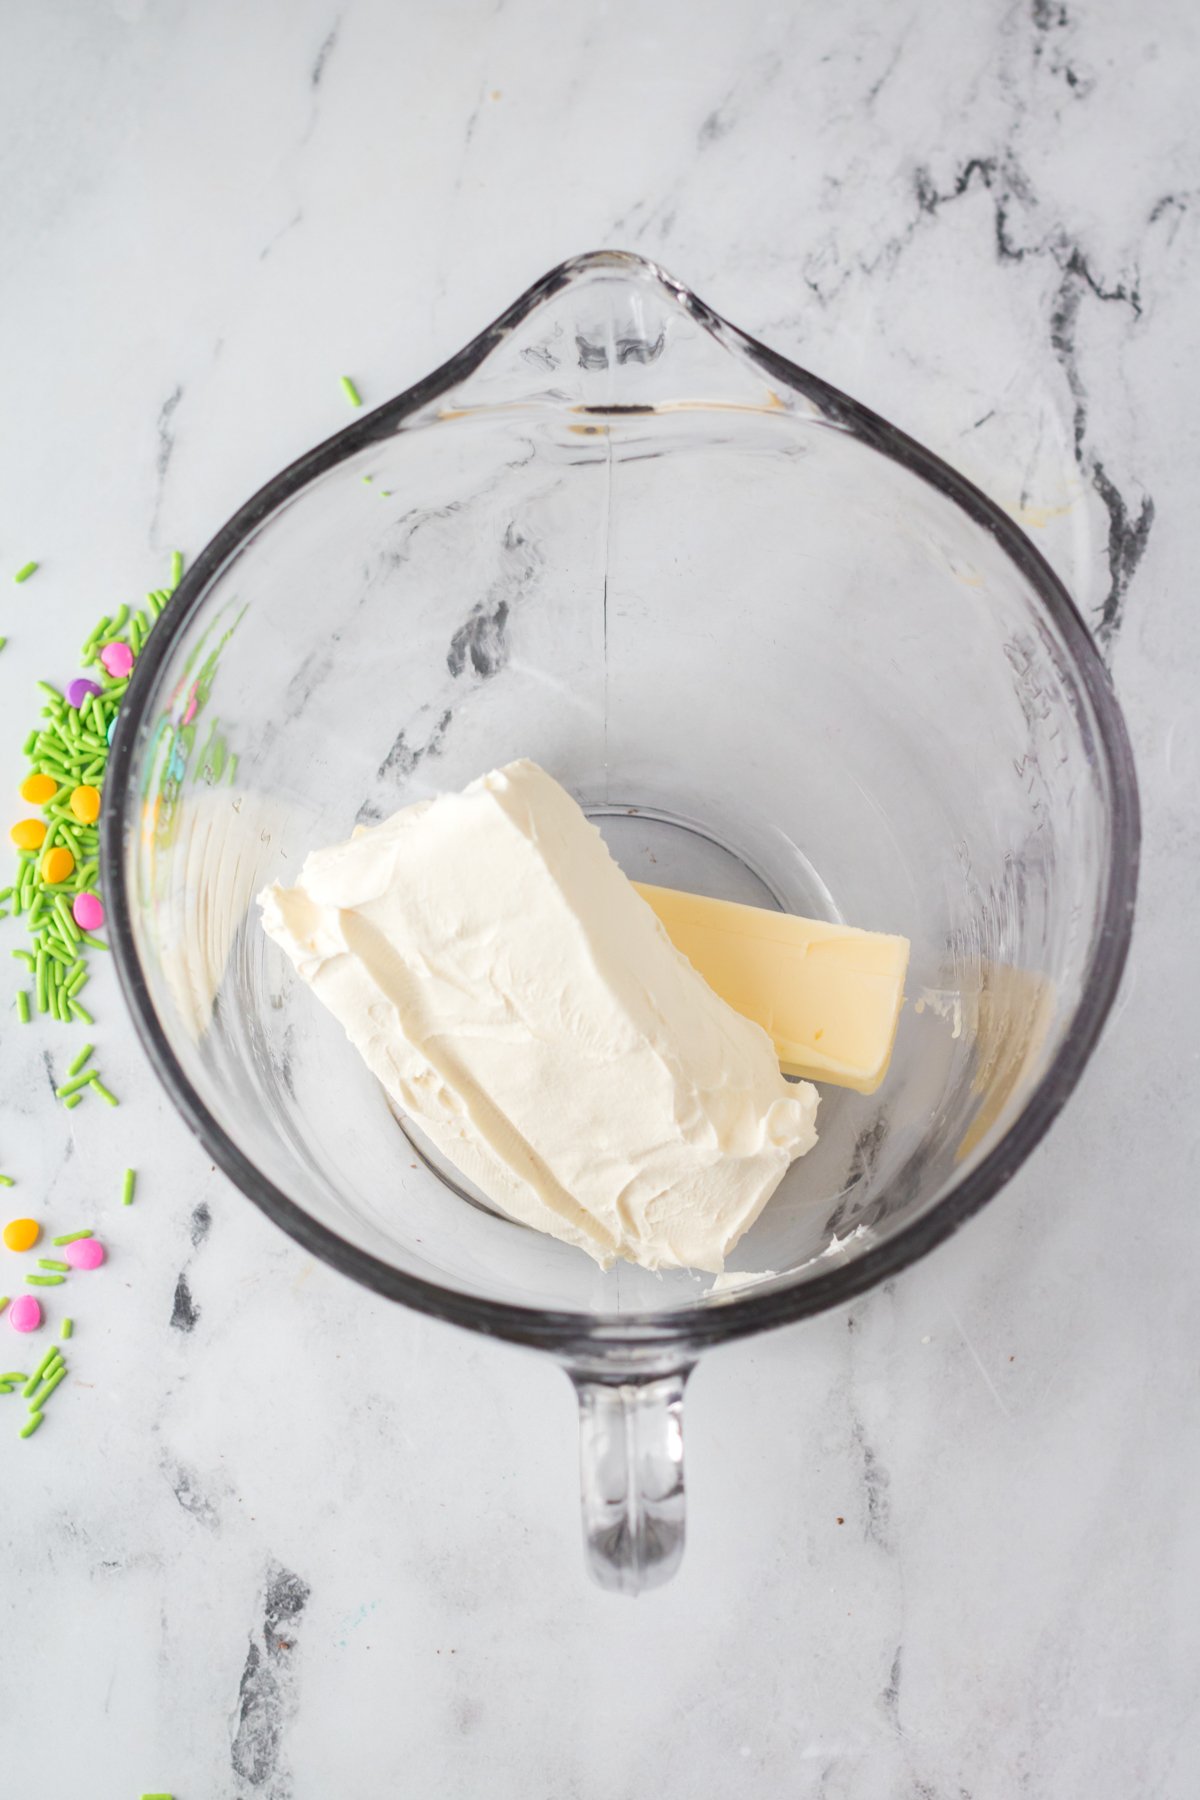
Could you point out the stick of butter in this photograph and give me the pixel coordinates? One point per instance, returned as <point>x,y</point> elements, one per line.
<point>828,996</point>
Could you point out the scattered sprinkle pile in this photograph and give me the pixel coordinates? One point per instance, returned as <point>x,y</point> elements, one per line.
<point>82,1251</point>
<point>57,891</point>
<point>57,886</point>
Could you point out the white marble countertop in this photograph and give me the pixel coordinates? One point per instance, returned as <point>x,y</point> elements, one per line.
<point>314,1546</point>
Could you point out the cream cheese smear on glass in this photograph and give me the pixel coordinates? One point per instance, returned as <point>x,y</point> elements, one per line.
<point>522,1003</point>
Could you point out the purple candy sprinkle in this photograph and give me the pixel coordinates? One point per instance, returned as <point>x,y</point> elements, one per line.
<point>79,690</point>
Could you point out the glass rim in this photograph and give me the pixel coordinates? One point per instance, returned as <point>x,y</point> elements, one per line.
<point>666,1334</point>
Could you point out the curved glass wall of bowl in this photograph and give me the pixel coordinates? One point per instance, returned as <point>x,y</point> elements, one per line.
<point>777,652</point>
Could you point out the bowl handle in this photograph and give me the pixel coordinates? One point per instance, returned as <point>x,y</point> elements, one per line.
<point>631,1478</point>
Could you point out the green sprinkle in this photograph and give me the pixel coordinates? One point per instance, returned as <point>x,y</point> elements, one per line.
<point>74,1068</point>
<point>127,1187</point>
<point>84,1016</point>
<point>103,1091</point>
<point>7,1181</point>
<point>3,1302</point>
<point>93,638</point>
<point>30,741</point>
<point>47,1388</point>
<point>57,941</point>
<point>48,687</point>
<point>26,957</point>
<point>176,568</point>
<point>65,1330</point>
<point>351,392</point>
<point>31,1425</point>
<point>23,574</point>
<point>23,1006</point>
<point>49,1357</point>
<point>77,983</point>
<point>45,1280</point>
<point>95,942</point>
<point>49,1262</point>
<point>14,1375</point>
<point>75,1098</point>
<point>73,1086</point>
<point>73,1237</point>
<point>40,989</point>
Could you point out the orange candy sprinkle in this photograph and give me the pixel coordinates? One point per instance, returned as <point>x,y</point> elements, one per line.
<point>85,804</point>
<point>57,864</point>
<point>28,834</point>
<point>37,789</point>
<point>21,1234</point>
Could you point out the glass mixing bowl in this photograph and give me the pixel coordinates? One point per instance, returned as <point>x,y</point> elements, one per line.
<point>780,654</point>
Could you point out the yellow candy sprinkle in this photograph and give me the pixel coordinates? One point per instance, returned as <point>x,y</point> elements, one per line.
<point>37,789</point>
<point>85,804</point>
<point>57,864</point>
<point>21,1234</point>
<point>28,834</point>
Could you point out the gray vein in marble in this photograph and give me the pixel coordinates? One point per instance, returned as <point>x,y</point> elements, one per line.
<point>1009,187</point>
<point>1174,204</point>
<point>1053,28</point>
<point>890,1697</point>
<point>266,1697</point>
<point>482,642</point>
<point>863,1157</point>
<point>185,1314</point>
<point>165,431</point>
<point>875,1479</point>
<point>185,1486</point>
<point>166,435</point>
<point>404,758</point>
<point>877,86</point>
<point>317,73</point>
<point>291,224</point>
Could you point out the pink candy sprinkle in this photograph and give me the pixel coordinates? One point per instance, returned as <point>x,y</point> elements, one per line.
<point>84,1253</point>
<point>87,912</point>
<point>117,659</point>
<point>79,690</point>
<point>24,1314</point>
<point>190,711</point>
